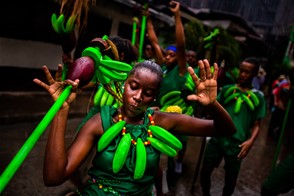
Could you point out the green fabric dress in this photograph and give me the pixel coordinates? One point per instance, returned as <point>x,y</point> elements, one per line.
<point>104,181</point>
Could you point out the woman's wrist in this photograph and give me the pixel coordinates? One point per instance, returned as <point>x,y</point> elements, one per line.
<point>212,104</point>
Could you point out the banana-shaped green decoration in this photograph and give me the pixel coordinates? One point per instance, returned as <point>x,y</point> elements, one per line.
<point>94,53</point>
<point>190,111</point>
<point>54,23</point>
<point>189,86</point>
<point>98,96</point>
<point>231,97</point>
<point>110,134</point>
<point>117,104</point>
<point>162,147</point>
<point>169,95</point>
<point>184,109</point>
<point>58,24</point>
<point>230,90</point>
<point>109,100</point>
<point>113,75</point>
<point>166,137</point>
<point>116,65</point>
<point>248,101</point>
<point>179,102</point>
<point>238,105</point>
<point>101,78</point>
<point>121,152</point>
<point>190,83</point>
<point>70,24</point>
<point>141,159</point>
<point>162,109</point>
<point>183,105</point>
<point>172,101</point>
<point>104,98</point>
<point>253,97</point>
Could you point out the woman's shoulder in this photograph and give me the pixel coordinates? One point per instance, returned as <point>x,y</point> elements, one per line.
<point>94,125</point>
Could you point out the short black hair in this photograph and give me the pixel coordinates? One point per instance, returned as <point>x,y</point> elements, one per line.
<point>255,62</point>
<point>150,65</point>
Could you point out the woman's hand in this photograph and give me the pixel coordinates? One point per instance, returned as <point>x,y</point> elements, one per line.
<point>206,85</point>
<point>56,86</point>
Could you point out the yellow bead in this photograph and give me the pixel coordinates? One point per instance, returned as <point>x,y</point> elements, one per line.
<point>100,186</point>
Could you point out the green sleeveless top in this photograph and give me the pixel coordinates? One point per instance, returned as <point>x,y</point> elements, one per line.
<point>104,181</point>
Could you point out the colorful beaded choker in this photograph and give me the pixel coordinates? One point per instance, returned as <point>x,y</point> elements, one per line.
<point>158,138</point>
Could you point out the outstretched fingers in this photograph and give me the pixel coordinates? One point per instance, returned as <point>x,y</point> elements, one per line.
<point>40,83</point>
<point>193,75</point>
<point>207,69</point>
<point>48,75</point>
<point>58,75</point>
<point>202,70</point>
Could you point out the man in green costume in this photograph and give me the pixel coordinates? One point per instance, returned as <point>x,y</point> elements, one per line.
<point>246,107</point>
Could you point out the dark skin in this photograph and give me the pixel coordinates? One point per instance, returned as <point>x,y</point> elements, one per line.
<point>191,57</point>
<point>245,83</point>
<point>140,89</point>
<point>170,58</point>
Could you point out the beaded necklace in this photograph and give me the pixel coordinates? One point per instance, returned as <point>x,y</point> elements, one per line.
<point>158,137</point>
<point>239,96</point>
<point>148,131</point>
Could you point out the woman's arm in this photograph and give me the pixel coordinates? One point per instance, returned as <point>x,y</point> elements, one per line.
<point>61,162</point>
<point>180,37</point>
<point>221,123</point>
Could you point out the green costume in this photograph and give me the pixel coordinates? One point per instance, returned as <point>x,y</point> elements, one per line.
<point>228,147</point>
<point>104,181</point>
<point>171,81</point>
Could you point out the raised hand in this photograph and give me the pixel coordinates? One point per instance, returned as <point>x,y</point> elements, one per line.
<point>174,6</point>
<point>56,86</point>
<point>206,84</point>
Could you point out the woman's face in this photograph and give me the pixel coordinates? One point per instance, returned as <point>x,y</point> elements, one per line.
<point>140,90</point>
<point>170,58</point>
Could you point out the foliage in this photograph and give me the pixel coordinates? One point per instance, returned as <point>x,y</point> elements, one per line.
<point>194,32</point>
<point>228,49</point>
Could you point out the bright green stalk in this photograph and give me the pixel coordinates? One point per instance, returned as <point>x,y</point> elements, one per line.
<point>281,137</point>
<point>142,35</point>
<point>134,35</point>
<point>32,140</point>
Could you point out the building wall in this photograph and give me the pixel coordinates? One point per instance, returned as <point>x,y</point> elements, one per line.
<point>27,53</point>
